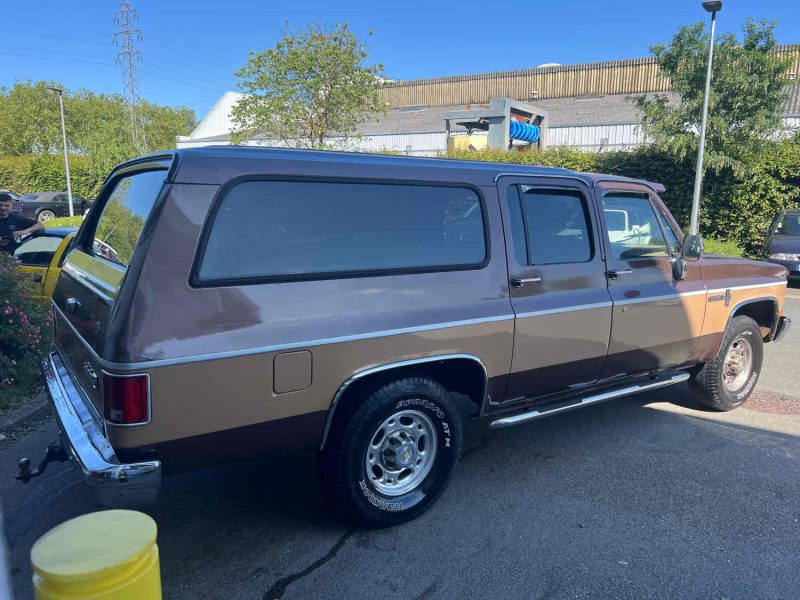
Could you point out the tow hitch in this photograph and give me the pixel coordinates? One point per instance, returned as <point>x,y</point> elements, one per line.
<point>55,453</point>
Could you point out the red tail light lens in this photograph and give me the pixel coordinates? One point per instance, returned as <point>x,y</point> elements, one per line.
<point>126,399</point>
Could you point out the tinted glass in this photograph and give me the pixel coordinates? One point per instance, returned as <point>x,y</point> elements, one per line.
<point>517,226</point>
<point>788,225</point>
<point>38,251</point>
<point>633,229</point>
<point>124,216</point>
<point>672,238</point>
<point>289,229</point>
<point>557,226</point>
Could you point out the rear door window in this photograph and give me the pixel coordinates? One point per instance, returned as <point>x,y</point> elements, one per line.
<point>290,230</point>
<point>121,223</point>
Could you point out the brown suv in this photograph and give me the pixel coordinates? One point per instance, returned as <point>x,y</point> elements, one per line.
<point>256,299</point>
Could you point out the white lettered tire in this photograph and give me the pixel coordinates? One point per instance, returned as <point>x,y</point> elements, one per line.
<point>395,455</point>
<point>727,381</point>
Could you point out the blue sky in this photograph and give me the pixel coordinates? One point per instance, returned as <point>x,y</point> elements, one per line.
<point>191,48</point>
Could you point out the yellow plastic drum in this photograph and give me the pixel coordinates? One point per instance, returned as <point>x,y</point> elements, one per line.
<point>108,555</point>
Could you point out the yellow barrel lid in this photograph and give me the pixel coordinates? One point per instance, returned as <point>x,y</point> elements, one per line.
<point>93,545</point>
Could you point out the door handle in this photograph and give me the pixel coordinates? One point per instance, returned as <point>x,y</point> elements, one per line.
<point>518,282</point>
<point>72,304</point>
<point>617,272</point>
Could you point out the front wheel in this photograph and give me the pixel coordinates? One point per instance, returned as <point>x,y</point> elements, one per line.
<point>727,381</point>
<point>394,456</point>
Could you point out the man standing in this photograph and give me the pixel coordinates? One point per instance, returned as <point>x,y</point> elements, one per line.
<point>13,227</point>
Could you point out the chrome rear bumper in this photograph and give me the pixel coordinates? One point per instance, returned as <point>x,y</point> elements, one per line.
<point>88,447</point>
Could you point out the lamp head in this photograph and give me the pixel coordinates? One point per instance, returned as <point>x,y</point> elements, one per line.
<point>55,89</point>
<point>713,6</point>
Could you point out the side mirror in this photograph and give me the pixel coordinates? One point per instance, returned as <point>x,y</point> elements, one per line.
<point>692,247</point>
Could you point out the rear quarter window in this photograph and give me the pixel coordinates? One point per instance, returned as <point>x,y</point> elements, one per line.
<point>292,230</point>
<point>124,214</point>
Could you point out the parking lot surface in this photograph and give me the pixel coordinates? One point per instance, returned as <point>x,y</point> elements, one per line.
<point>645,497</point>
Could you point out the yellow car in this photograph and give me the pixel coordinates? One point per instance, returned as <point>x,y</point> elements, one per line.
<point>43,256</point>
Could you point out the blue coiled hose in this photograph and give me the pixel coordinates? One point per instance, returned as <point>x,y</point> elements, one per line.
<point>523,132</point>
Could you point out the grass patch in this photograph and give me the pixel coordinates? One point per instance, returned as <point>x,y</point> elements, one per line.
<point>64,222</point>
<point>718,247</point>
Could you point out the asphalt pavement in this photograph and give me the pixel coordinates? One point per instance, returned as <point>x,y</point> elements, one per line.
<point>645,497</point>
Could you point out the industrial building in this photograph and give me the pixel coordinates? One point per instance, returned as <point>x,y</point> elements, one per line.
<point>588,106</point>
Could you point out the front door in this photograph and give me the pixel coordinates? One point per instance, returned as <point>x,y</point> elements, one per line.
<point>657,319</point>
<point>557,282</point>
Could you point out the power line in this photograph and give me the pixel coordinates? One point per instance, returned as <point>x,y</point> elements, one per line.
<point>128,57</point>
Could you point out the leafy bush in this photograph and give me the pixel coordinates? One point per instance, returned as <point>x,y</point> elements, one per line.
<point>45,173</point>
<point>25,332</point>
<point>713,246</point>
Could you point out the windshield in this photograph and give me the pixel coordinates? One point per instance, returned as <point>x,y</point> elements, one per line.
<point>788,225</point>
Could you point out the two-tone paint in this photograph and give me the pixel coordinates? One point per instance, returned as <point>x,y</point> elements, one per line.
<point>252,367</point>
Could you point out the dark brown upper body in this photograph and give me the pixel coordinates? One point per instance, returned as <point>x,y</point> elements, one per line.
<point>548,283</point>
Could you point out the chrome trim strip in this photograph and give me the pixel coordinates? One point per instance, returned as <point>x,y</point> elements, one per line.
<point>541,412</point>
<point>661,298</point>
<point>88,447</point>
<point>748,287</point>
<point>563,309</point>
<point>165,362</point>
<point>396,365</point>
<point>149,400</point>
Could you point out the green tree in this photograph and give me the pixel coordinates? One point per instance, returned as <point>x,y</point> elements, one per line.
<point>97,124</point>
<point>747,88</point>
<point>312,84</point>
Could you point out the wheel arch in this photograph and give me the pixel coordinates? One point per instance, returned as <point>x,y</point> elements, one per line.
<point>763,310</point>
<point>464,373</point>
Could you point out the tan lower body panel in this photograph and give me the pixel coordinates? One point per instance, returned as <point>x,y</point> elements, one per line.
<point>199,398</point>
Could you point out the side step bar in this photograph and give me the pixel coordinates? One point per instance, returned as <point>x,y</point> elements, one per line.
<point>558,408</point>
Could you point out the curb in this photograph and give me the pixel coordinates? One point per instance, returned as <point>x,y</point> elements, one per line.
<point>24,414</point>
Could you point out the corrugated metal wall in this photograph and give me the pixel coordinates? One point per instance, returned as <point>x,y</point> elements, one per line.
<point>632,76</point>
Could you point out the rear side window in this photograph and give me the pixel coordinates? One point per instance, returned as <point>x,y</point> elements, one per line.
<point>549,226</point>
<point>284,230</point>
<point>121,223</point>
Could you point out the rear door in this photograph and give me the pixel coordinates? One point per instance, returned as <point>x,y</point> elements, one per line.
<point>557,283</point>
<point>97,267</point>
<point>657,319</point>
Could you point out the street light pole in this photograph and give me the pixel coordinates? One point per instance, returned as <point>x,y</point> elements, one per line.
<point>713,8</point>
<point>64,140</point>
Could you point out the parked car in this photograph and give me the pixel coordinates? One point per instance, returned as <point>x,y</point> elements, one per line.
<point>270,299</point>
<point>44,206</point>
<point>783,242</point>
<point>43,255</point>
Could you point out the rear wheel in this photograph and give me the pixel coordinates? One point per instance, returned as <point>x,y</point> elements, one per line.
<point>45,215</point>
<point>727,381</point>
<point>394,456</point>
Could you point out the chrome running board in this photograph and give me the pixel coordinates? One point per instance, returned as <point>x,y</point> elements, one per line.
<point>561,407</point>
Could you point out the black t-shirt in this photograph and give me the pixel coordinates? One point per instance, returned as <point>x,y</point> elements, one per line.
<point>8,226</point>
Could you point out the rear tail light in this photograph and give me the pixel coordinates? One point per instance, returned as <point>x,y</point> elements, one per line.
<point>126,399</point>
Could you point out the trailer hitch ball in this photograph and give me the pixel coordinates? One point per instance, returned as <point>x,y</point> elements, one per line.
<point>55,453</point>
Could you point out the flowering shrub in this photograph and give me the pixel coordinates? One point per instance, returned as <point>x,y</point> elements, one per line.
<point>25,332</point>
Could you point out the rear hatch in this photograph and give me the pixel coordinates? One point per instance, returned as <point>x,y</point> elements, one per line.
<point>99,266</point>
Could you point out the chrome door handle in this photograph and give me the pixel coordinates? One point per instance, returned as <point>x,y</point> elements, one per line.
<point>72,304</point>
<point>616,273</point>
<point>518,283</point>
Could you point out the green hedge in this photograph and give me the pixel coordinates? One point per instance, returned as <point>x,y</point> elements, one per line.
<point>45,173</point>
<point>734,207</point>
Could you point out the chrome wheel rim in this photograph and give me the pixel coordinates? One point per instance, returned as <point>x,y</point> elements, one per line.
<point>45,215</point>
<point>401,452</point>
<point>738,364</point>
